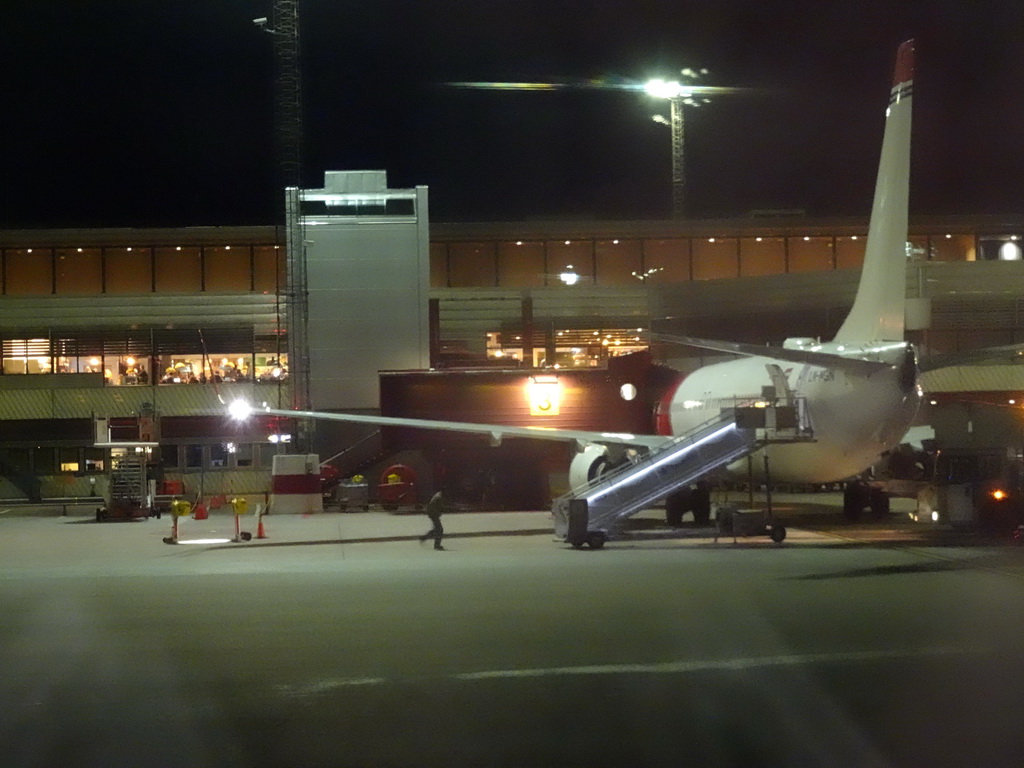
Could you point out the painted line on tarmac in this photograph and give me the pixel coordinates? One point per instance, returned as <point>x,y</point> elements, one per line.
<point>325,686</point>
<point>729,665</point>
<point>656,668</point>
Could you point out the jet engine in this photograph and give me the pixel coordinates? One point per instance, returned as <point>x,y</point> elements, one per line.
<point>594,460</point>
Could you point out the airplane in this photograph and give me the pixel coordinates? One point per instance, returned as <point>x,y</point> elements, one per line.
<point>860,390</point>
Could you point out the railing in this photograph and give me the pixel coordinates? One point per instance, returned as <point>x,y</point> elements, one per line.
<point>715,443</point>
<point>648,458</point>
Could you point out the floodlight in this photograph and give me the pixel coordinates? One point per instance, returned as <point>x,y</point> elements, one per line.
<point>240,410</point>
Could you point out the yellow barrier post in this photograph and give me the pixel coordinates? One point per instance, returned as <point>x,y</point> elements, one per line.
<point>179,508</point>
<point>240,506</point>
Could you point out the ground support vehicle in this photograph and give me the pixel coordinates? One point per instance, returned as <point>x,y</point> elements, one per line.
<point>965,488</point>
<point>736,522</point>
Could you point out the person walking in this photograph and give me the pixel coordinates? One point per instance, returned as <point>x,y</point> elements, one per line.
<point>435,508</point>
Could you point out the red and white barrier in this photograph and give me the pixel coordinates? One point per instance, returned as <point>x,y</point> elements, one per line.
<point>295,484</point>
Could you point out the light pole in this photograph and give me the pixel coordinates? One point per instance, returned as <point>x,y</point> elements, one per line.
<point>283,26</point>
<point>678,94</point>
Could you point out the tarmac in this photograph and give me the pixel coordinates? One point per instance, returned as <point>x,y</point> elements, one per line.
<point>807,517</point>
<point>69,540</point>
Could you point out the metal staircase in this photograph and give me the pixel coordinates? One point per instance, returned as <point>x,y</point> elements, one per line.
<point>586,514</point>
<point>128,481</point>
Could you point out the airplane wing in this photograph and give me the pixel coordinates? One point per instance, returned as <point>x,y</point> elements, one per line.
<point>494,431</point>
<point>852,365</point>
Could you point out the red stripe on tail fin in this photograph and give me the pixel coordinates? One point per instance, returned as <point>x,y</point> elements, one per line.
<point>904,70</point>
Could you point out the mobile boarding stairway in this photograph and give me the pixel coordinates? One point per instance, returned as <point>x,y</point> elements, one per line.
<point>587,514</point>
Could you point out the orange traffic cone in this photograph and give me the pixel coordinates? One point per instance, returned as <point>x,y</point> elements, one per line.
<point>200,513</point>
<point>260,532</point>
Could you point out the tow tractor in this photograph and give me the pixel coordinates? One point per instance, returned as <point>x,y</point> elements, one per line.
<point>983,489</point>
<point>964,488</point>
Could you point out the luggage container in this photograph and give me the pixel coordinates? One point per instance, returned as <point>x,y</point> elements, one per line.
<point>353,496</point>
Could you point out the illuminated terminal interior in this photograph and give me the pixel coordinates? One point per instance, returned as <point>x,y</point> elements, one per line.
<point>141,366</point>
<point>572,348</point>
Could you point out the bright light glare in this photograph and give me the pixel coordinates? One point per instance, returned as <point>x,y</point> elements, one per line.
<point>1009,252</point>
<point>663,89</point>
<point>240,410</point>
<point>204,541</point>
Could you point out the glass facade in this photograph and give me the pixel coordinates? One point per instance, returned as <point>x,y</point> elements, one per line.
<point>472,264</point>
<point>480,263</point>
<point>160,356</point>
<point>78,271</point>
<point>850,251</point>
<point>665,261</point>
<point>227,269</point>
<point>619,262</point>
<point>156,358</point>
<point>570,262</point>
<point>571,348</point>
<point>611,262</point>
<point>810,254</point>
<point>521,264</point>
<point>28,271</point>
<point>128,270</point>
<point>762,256</point>
<point>86,271</point>
<point>950,247</point>
<point>715,258</point>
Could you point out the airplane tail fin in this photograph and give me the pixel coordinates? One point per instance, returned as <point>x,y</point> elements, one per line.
<point>877,313</point>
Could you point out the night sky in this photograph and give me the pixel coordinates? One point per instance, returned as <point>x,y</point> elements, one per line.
<point>159,113</point>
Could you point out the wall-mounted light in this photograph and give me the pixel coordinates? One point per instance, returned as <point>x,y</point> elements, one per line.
<point>1009,251</point>
<point>569,278</point>
<point>545,395</point>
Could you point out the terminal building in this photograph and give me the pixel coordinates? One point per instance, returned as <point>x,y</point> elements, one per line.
<point>467,321</point>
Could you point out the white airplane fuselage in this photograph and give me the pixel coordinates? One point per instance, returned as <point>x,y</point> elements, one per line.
<point>855,418</point>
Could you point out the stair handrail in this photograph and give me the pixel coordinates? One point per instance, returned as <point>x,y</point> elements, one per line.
<point>691,436</point>
<point>726,414</point>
